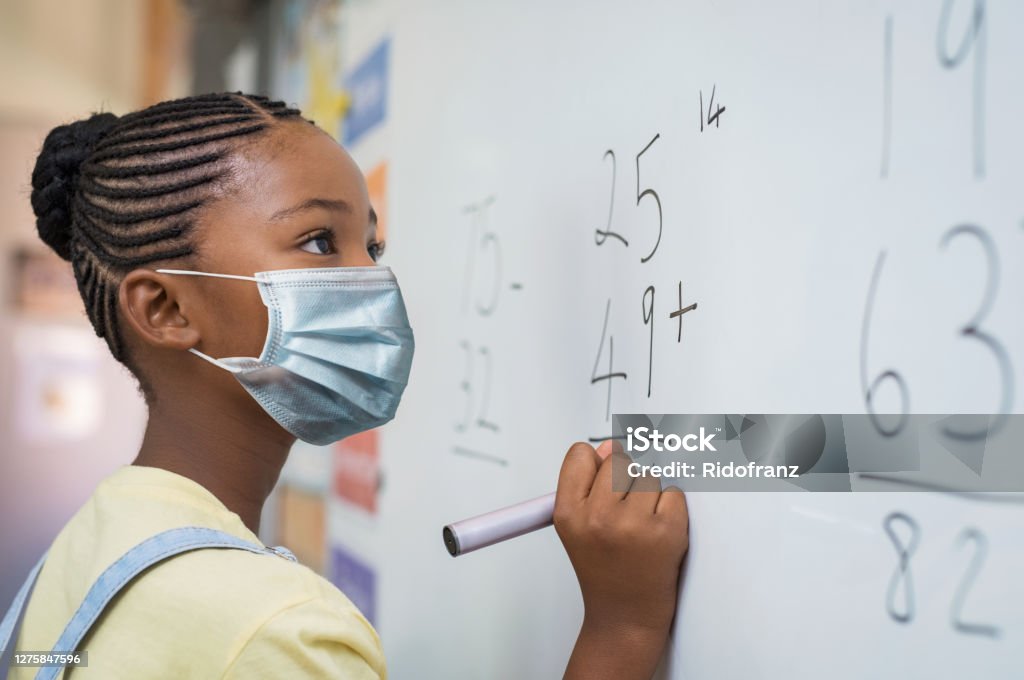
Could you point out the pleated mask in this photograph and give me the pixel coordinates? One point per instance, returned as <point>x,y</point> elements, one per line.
<point>338,350</point>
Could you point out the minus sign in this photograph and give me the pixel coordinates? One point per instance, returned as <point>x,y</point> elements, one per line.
<point>516,286</point>
<point>595,440</point>
<point>472,453</point>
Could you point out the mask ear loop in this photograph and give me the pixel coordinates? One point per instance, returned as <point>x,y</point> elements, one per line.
<point>216,362</point>
<point>187,272</point>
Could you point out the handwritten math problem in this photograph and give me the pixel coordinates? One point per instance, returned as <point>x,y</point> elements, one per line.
<point>604,370</point>
<point>734,207</point>
<point>956,50</point>
<point>483,287</point>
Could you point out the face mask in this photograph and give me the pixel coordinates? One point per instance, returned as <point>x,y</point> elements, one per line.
<point>338,349</point>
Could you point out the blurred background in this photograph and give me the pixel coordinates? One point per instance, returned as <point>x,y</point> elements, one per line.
<point>69,414</point>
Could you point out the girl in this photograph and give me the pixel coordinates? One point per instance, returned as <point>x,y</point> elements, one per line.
<point>202,231</point>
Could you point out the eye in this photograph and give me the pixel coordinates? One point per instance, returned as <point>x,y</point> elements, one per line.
<point>319,243</point>
<point>375,249</point>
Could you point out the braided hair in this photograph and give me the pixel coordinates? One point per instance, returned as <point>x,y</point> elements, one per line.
<point>112,194</point>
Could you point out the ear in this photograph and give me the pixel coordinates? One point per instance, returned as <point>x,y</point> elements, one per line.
<point>150,304</point>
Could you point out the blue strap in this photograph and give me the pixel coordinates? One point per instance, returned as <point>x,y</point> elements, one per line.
<point>144,555</point>
<point>12,620</point>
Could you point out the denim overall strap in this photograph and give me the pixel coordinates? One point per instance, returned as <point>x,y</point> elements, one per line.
<point>144,555</point>
<point>12,620</point>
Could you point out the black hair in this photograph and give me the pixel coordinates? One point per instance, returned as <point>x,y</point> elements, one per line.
<point>111,194</point>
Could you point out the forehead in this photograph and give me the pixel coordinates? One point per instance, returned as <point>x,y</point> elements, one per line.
<point>294,161</point>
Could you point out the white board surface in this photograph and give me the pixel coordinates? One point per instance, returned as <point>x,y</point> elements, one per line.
<point>845,146</point>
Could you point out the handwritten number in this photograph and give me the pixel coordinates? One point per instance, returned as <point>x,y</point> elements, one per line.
<point>490,238</point>
<point>478,221</point>
<point>870,390</point>
<point>902,580</point>
<point>473,211</point>
<point>648,192</point>
<point>956,610</point>
<point>600,236</point>
<point>466,386</point>
<point>902,574</point>
<point>594,377</point>
<point>972,329</point>
<point>481,419</point>
<point>713,112</point>
<point>713,117</point>
<point>648,309</point>
<point>974,37</point>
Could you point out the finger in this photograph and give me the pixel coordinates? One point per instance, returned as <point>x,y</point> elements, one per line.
<point>614,468</point>
<point>604,449</point>
<point>578,470</point>
<point>672,505</point>
<point>644,494</point>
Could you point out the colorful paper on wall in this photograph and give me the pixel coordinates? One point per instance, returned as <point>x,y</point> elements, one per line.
<point>357,470</point>
<point>368,87</point>
<point>377,187</point>
<point>57,392</point>
<point>308,61</point>
<point>357,580</point>
<point>301,525</point>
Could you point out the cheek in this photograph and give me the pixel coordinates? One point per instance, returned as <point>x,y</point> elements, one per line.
<point>254,327</point>
<point>237,322</point>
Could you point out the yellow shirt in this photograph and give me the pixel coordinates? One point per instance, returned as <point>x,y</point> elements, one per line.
<point>211,613</point>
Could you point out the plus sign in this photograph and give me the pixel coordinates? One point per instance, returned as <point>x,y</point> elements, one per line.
<point>682,310</point>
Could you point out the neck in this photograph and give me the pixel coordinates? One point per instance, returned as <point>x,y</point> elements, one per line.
<point>234,453</point>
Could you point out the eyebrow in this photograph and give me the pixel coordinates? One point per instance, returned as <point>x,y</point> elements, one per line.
<point>309,204</point>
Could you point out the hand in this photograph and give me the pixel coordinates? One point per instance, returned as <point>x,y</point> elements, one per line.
<point>627,548</point>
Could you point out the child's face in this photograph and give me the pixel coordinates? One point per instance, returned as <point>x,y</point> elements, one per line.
<point>299,201</point>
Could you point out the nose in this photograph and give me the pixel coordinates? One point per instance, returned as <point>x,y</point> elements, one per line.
<point>354,254</point>
<point>364,261</point>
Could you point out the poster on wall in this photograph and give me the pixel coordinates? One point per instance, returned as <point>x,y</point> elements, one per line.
<point>377,188</point>
<point>308,71</point>
<point>356,474</point>
<point>57,391</point>
<point>368,87</point>
<point>301,522</point>
<point>356,579</point>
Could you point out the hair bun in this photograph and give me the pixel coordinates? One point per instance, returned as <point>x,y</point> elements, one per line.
<point>53,180</point>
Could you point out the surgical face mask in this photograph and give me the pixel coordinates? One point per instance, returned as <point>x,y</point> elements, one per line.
<point>338,349</point>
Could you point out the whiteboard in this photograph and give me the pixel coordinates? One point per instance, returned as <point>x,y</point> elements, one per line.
<point>798,152</point>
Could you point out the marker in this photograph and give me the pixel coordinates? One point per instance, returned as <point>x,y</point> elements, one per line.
<point>515,520</point>
<point>500,525</point>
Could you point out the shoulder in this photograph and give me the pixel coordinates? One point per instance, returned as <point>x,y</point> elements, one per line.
<point>310,639</point>
<point>229,583</point>
<point>272,617</point>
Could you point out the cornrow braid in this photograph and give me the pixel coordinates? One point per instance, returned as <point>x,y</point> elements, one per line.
<point>111,194</point>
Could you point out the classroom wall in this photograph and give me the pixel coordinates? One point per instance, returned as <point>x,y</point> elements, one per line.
<point>69,414</point>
